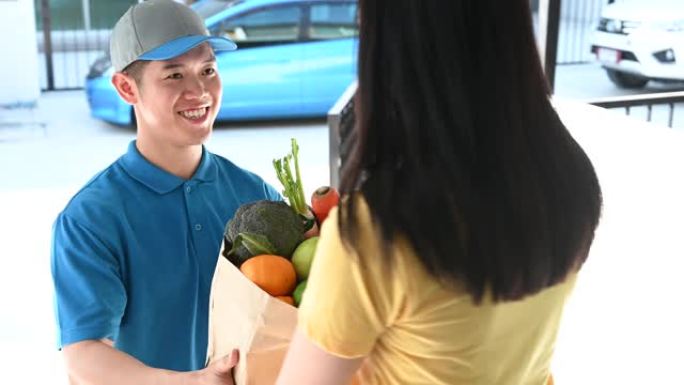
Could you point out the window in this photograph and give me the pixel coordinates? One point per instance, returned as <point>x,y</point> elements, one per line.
<point>209,8</point>
<point>277,24</point>
<point>333,21</point>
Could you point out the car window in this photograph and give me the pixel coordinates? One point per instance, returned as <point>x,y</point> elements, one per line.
<point>276,24</point>
<point>333,21</point>
<point>207,8</point>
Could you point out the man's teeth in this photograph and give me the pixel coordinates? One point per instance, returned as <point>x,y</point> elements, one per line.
<point>194,114</point>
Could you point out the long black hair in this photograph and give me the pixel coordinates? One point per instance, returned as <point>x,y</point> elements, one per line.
<point>460,150</point>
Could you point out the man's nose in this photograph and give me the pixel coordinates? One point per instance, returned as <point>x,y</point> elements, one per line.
<point>195,87</point>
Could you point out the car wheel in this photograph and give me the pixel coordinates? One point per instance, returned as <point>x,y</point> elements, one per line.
<point>625,80</point>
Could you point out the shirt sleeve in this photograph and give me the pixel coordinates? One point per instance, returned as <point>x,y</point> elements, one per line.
<point>350,299</point>
<point>90,296</point>
<point>271,193</point>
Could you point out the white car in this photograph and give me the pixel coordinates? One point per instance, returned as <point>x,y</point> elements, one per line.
<point>641,40</point>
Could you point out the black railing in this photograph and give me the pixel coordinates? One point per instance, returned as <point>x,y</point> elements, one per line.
<point>342,135</point>
<point>650,104</point>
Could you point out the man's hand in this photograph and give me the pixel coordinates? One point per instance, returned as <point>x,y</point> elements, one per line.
<point>220,372</point>
<point>97,362</point>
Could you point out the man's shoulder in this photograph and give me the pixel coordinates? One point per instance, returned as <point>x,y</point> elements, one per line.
<point>228,169</point>
<point>243,180</point>
<point>101,192</point>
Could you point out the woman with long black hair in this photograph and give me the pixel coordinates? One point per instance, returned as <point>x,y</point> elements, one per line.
<point>469,208</point>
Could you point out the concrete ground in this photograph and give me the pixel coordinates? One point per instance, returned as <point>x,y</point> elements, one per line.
<point>622,325</point>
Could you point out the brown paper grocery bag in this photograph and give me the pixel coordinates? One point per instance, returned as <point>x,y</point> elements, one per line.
<point>244,317</point>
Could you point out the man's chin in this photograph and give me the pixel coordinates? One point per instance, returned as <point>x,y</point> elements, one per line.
<point>203,136</point>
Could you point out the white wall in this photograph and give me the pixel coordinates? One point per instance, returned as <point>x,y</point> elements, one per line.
<point>18,54</point>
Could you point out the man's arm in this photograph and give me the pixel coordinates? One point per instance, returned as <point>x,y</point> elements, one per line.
<point>96,362</point>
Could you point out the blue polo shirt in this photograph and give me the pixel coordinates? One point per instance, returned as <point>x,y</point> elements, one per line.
<point>134,252</point>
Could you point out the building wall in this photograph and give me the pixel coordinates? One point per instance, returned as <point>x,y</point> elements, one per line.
<point>18,54</point>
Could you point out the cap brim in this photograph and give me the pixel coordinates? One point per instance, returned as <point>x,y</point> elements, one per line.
<point>181,45</point>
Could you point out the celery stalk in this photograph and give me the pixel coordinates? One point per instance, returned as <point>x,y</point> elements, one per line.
<point>293,189</point>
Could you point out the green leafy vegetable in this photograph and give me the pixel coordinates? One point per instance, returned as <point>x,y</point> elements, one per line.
<point>292,184</point>
<point>263,227</point>
<point>254,243</point>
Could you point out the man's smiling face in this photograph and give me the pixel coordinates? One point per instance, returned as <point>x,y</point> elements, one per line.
<point>178,99</point>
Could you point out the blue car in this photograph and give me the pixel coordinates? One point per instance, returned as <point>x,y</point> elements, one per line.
<point>294,60</point>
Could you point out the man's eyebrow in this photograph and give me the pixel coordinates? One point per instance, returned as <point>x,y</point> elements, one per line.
<point>168,66</point>
<point>172,65</point>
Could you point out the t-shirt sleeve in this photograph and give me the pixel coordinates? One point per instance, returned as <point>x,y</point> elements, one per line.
<point>347,304</point>
<point>271,193</point>
<point>90,296</point>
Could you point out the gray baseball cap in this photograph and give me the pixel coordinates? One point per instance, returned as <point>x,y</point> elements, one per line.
<point>159,30</point>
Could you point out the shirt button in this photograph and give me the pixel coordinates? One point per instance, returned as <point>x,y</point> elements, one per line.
<point>198,227</point>
<point>188,189</point>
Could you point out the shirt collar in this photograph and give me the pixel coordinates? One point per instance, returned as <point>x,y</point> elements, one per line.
<point>159,180</point>
<point>207,170</point>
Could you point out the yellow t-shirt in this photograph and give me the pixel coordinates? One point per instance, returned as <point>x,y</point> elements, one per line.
<point>414,331</point>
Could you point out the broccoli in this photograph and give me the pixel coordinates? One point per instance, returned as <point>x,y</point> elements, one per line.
<point>263,227</point>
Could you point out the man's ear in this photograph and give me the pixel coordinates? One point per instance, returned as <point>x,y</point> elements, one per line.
<point>126,87</point>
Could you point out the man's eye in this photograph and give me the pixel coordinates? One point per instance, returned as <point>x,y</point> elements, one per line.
<point>210,71</point>
<point>175,76</point>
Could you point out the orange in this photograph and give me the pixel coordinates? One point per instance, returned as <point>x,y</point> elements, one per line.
<point>272,273</point>
<point>287,299</point>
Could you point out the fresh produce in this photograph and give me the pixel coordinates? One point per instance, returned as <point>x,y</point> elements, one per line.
<point>293,188</point>
<point>303,257</point>
<point>272,273</point>
<point>263,227</point>
<point>299,292</point>
<point>287,299</point>
<point>262,236</point>
<point>313,231</point>
<point>323,200</point>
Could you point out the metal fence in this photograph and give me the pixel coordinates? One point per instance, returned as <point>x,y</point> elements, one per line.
<point>659,108</point>
<point>72,34</point>
<point>578,20</point>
